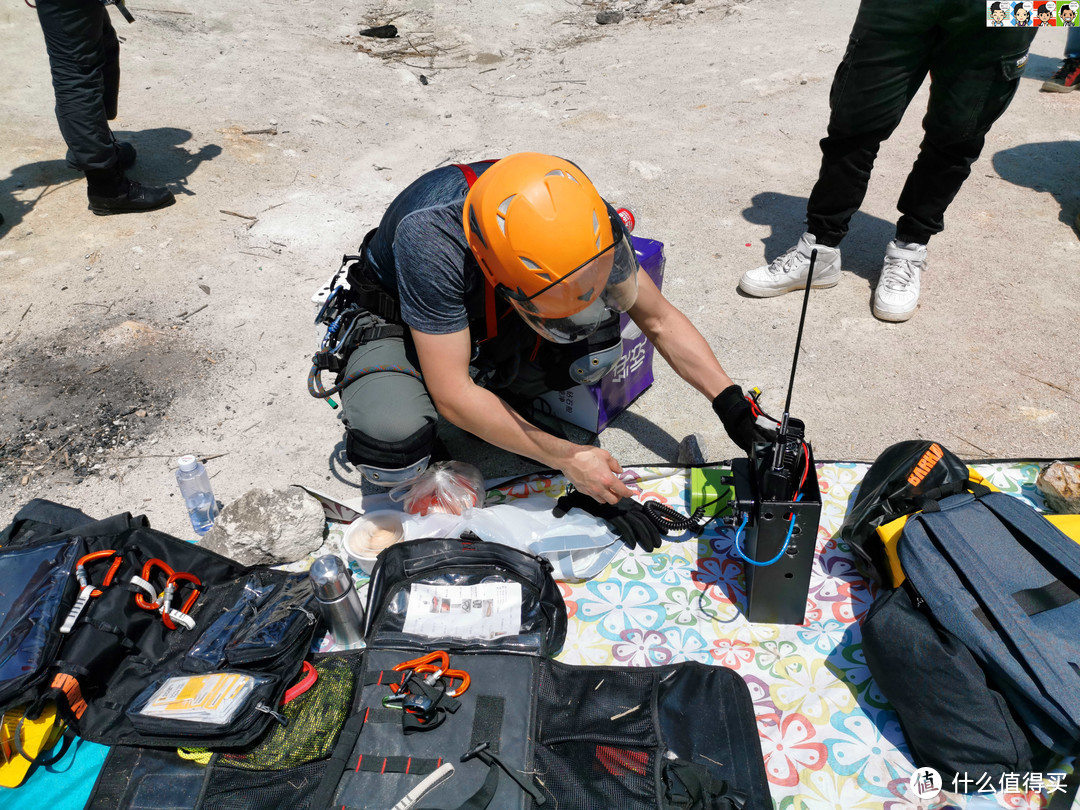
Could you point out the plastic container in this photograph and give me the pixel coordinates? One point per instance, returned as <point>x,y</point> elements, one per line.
<point>371,533</point>
<point>198,496</point>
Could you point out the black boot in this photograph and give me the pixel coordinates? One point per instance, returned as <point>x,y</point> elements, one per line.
<point>110,192</point>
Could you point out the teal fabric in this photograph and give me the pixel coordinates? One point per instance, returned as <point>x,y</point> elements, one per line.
<point>63,786</point>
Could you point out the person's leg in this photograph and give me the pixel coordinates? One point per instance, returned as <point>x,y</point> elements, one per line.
<point>84,61</point>
<point>886,61</point>
<point>1072,44</point>
<point>1067,77</point>
<point>75,40</point>
<point>110,70</point>
<point>389,417</point>
<point>975,73</point>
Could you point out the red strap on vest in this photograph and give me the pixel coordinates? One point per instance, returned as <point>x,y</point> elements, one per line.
<point>490,318</point>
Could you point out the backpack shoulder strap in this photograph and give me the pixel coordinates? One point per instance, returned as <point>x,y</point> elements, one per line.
<point>491,319</point>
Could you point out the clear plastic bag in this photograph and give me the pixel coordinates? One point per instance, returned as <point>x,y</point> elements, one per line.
<point>448,487</point>
<point>578,545</point>
<point>283,616</point>
<point>209,651</point>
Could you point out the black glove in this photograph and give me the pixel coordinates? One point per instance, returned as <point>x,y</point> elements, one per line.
<point>628,518</point>
<point>735,411</point>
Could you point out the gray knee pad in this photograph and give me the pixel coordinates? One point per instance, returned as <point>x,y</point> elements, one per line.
<point>389,417</point>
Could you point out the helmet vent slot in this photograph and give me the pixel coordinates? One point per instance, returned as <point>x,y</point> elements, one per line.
<point>474,226</point>
<point>530,263</point>
<point>500,215</point>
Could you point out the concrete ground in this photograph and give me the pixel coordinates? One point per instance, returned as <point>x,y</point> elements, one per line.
<point>126,341</point>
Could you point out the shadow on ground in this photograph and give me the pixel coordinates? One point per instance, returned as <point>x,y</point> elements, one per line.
<point>1040,68</point>
<point>862,250</point>
<point>162,160</point>
<point>1051,167</point>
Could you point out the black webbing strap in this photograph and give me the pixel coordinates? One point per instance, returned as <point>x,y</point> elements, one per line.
<point>487,721</point>
<point>375,763</point>
<point>931,498</point>
<point>487,727</point>
<point>1034,601</point>
<point>379,677</point>
<point>43,758</point>
<point>482,798</point>
<point>379,715</point>
<point>338,761</point>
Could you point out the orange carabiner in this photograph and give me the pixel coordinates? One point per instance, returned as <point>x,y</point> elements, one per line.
<point>170,589</point>
<point>440,656</point>
<point>451,674</point>
<point>150,565</point>
<point>84,579</point>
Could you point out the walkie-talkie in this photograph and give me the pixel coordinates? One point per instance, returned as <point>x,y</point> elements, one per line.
<point>777,509</point>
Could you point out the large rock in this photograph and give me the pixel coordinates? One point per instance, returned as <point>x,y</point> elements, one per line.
<point>268,527</point>
<point>1060,485</point>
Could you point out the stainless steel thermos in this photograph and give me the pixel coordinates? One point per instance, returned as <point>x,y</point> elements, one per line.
<point>338,600</point>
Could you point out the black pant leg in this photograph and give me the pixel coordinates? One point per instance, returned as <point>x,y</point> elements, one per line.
<point>111,68</point>
<point>886,60</point>
<point>974,74</point>
<point>75,37</point>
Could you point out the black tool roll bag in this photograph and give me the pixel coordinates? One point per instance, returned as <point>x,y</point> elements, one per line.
<point>107,670</point>
<point>533,732</point>
<point>682,735</point>
<point>282,769</point>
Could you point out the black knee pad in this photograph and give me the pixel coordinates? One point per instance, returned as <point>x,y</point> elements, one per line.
<point>390,462</point>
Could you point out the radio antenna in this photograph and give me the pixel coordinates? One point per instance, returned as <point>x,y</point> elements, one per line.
<point>798,339</point>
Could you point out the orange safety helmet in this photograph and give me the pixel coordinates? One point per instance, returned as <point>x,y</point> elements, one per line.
<point>545,238</point>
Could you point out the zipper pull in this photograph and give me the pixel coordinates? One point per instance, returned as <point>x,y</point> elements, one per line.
<point>262,707</point>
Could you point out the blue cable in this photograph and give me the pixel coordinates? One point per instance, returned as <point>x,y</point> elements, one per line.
<point>783,550</point>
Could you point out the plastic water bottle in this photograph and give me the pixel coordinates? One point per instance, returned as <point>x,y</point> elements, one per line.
<point>198,497</point>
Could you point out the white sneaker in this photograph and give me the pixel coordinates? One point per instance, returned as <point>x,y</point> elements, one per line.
<point>897,293</point>
<point>788,271</point>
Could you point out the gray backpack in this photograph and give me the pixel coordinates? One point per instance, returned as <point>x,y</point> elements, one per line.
<point>1006,583</point>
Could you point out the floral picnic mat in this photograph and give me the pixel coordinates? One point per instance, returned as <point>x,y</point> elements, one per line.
<point>829,737</point>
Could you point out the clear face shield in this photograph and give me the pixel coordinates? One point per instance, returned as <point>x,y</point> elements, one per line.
<point>573,307</point>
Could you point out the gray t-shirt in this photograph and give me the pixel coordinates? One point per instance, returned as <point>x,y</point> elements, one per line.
<point>420,251</point>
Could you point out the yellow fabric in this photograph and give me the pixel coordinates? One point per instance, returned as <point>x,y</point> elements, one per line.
<point>890,532</point>
<point>37,736</point>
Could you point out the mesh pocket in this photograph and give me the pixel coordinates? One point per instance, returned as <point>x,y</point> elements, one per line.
<point>315,718</point>
<point>597,776</point>
<point>292,789</point>
<point>613,706</point>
